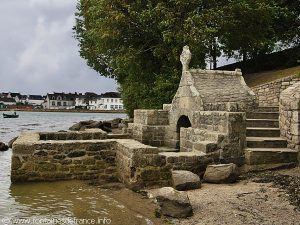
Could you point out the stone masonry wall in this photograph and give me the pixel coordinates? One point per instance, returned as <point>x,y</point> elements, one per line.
<point>35,160</point>
<point>289,115</point>
<point>216,131</point>
<point>149,126</point>
<point>127,160</point>
<point>141,166</point>
<point>268,94</point>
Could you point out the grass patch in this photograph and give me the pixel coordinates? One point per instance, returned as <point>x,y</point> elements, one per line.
<point>255,79</point>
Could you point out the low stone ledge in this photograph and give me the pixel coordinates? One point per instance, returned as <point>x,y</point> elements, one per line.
<point>130,161</point>
<point>74,135</point>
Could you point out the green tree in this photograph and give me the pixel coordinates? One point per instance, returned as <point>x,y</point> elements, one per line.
<point>138,43</point>
<point>251,28</point>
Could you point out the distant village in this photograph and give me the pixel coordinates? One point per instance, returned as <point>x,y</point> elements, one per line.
<point>62,101</point>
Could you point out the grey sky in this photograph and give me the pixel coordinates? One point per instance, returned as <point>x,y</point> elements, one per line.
<point>38,53</point>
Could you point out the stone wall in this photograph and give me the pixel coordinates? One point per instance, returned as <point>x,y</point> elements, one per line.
<point>37,160</point>
<point>289,115</point>
<point>149,126</point>
<point>195,162</point>
<point>268,94</point>
<point>126,160</point>
<point>141,165</point>
<point>88,134</point>
<point>214,131</point>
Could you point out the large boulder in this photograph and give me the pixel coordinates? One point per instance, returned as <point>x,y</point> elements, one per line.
<point>222,173</point>
<point>172,203</point>
<point>3,147</point>
<point>184,180</point>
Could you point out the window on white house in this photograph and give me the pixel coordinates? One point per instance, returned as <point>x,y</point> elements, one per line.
<point>65,104</point>
<point>58,103</point>
<point>53,102</point>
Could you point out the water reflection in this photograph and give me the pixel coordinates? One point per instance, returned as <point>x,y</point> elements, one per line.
<point>66,199</point>
<point>73,199</point>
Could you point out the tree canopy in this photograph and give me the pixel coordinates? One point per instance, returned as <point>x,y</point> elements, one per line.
<point>138,43</point>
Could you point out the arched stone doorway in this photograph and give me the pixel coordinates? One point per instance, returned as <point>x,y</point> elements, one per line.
<point>185,122</point>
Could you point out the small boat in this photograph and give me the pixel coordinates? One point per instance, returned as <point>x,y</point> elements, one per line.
<point>14,115</point>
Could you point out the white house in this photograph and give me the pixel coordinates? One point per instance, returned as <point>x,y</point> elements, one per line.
<point>110,101</point>
<point>35,100</point>
<point>21,99</point>
<point>60,100</point>
<point>7,101</point>
<point>80,102</point>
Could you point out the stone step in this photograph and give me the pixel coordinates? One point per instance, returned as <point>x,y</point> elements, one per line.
<point>267,109</point>
<point>257,156</point>
<point>262,132</point>
<point>262,123</point>
<point>205,146</point>
<point>181,159</point>
<point>262,115</point>
<point>266,142</point>
<point>167,149</point>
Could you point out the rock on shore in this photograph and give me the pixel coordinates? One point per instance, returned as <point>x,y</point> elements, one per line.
<point>185,180</point>
<point>3,147</point>
<point>172,203</point>
<point>91,124</point>
<point>221,173</point>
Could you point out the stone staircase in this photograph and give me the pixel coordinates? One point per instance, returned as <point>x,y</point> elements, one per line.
<point>264,144</point>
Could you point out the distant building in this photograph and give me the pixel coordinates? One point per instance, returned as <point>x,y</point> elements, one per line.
<point>35,100</point>
<point>60,100</point>
<point>13,95</point>
<point>3,95</point>
<point>21,99</point>
<point>86,100</point>
<point>110,101</point>
<point>2,105</point>
<point>7,101</point>
<point>81,102</point>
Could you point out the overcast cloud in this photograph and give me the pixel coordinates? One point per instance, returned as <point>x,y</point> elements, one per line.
<point>38,53</point>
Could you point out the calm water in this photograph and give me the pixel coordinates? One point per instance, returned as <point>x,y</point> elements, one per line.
<point>67,202</point>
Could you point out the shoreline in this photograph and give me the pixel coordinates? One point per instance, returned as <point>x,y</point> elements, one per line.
<point>65,110</point>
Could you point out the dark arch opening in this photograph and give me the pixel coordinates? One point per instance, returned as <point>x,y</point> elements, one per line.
<point>183,121</point>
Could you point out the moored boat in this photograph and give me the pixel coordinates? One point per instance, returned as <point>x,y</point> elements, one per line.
<point>14,115</point>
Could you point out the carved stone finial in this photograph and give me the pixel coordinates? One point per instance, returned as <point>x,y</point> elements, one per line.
<point>185,58</point>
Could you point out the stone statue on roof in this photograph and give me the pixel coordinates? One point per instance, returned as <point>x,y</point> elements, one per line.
<point>185,58</point>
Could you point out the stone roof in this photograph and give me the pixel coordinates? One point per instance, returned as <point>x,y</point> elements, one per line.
<point>212,90</point>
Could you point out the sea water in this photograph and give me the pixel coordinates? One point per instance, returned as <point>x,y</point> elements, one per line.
<point>63,202</point>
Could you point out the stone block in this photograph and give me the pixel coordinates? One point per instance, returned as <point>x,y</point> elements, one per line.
<point>222,173</point>
<point>185,180</point>
<point>15,163</point>
<point>172,203</point>
<point>76,153</point>
<point>45,167</point>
